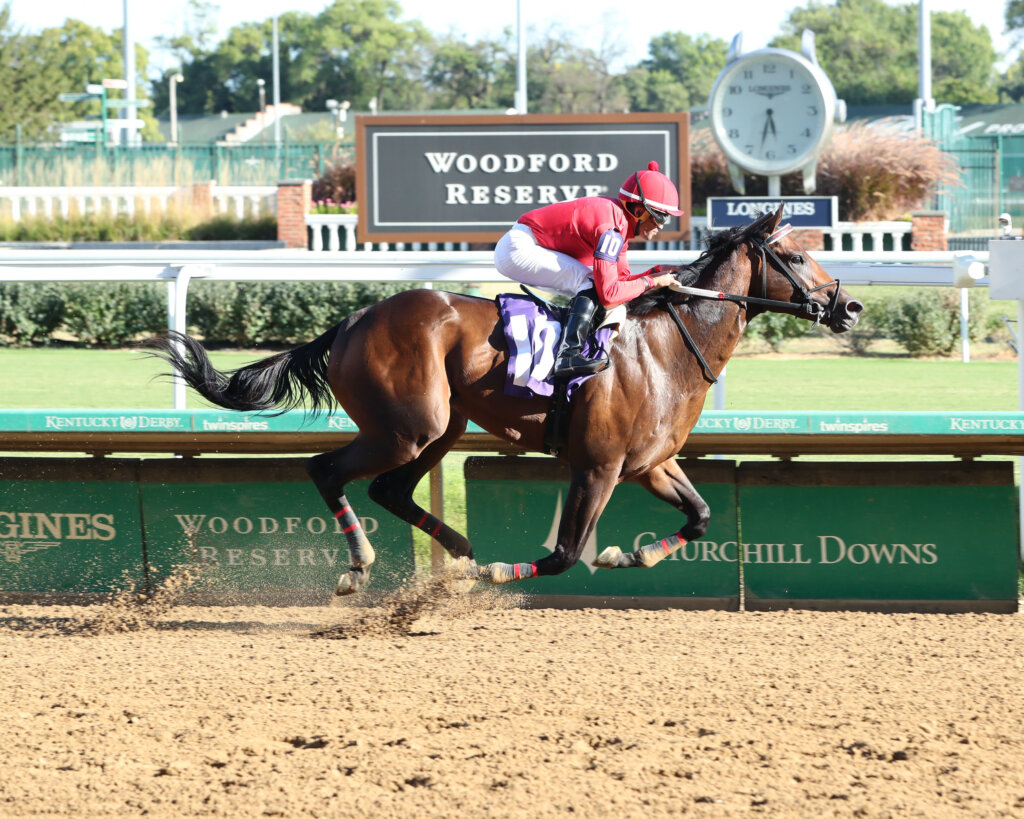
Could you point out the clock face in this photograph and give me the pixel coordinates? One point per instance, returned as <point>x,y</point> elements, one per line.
<point>769,111</point>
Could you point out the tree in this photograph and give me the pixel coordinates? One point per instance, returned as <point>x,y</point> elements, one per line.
<point>567,79</point>
<point>36,68</point>
<point>355,50</point>
<point>657,90</point>
<point>869,50</point>
<point>365,52</point>
<point>28,84</point>
<point>472,75</point>
<point>693,63</point>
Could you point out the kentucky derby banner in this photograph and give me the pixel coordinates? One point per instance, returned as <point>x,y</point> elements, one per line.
<point>469,178</point>
<point>799,211</point>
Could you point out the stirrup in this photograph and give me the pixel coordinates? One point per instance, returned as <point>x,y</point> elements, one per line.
<point>573,366</point>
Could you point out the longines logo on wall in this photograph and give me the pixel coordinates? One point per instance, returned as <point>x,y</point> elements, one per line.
<point>22,533</point>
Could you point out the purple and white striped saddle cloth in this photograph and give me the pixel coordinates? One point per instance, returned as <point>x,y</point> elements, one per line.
<point>532,331</point>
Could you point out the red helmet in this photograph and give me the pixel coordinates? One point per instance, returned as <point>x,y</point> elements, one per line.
<point>653,190</point>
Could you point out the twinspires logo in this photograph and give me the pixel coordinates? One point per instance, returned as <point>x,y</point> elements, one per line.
<point>828,550</point>
<point>226,551</point>
<point>855,427</point>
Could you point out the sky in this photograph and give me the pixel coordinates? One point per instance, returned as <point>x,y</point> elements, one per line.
<point>590,20</point>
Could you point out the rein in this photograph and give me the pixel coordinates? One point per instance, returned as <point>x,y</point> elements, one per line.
<point>807,308</point>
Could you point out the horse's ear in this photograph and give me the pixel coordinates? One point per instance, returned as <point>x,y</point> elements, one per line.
<point>766,224</point>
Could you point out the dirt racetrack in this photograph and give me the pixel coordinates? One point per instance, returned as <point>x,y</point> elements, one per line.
<point>477,708</point>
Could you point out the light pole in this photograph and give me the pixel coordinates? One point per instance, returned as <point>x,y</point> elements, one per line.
<point>520,94</point>
<point>262,85</point>
<point>173,88</point>
<point>340,111</point>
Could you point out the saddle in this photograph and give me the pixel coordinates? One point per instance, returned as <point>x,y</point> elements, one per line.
<point>533,328</point>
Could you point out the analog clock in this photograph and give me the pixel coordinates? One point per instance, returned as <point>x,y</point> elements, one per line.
<point>772,110</point>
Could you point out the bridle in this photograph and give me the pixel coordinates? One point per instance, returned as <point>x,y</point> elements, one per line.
<point>807,308</point>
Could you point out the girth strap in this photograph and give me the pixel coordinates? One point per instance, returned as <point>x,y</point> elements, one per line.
<point>710,376</point>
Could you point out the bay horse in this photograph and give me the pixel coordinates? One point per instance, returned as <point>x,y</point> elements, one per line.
<point>411,370</point>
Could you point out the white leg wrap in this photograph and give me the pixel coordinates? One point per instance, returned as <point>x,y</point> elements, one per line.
<point>498,573</point>
<point>361,552</point>
<point>645,557</point>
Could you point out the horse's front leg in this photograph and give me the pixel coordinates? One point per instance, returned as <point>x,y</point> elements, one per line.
<point>668,482</point>
<point>589,492</point>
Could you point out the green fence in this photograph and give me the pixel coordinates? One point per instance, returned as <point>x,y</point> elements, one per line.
<point>252,163</point>
<point>877,536</point>
<point>257,528</point>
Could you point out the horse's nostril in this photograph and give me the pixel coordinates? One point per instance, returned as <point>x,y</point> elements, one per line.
<point>854,307</point>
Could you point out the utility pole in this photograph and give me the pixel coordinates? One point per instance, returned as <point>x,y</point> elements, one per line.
<point>520,60</point>
<point>131,135</point>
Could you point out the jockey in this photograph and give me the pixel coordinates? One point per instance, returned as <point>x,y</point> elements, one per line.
<point>578,249</point>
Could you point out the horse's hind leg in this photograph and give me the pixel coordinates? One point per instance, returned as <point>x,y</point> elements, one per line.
<point>393,490</point>
<point>330,472</point>
<point>668,482</point>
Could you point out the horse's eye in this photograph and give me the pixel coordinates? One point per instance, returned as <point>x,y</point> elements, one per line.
<point>796,259</point>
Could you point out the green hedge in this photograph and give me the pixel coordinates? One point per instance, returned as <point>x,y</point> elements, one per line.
<point>924,321</point>
<point>242,314</point>
<point>168,227</point>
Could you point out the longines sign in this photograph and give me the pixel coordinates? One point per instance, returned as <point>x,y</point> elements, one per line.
<point>465,178</point>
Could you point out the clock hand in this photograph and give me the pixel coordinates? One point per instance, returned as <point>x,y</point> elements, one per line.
<point>769,126</point>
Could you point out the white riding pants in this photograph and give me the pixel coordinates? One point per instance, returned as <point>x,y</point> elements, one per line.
<point>518,256</point>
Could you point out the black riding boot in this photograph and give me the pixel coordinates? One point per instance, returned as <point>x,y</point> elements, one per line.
<point>570,361</point>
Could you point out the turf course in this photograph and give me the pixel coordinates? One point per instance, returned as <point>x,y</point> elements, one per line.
<point>114,379</point>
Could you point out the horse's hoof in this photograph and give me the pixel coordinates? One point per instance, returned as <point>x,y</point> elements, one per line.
<point>609,558</point>
<point>466,573</point>
<point>465,567</point>
<point>352,581</point>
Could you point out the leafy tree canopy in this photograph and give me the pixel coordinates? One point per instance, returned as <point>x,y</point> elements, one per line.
<point>869,50</point>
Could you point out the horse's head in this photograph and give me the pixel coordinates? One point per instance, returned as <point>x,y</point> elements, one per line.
<point>786,272</point>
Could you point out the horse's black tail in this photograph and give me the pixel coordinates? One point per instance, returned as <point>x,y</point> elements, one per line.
<point>296,378</point>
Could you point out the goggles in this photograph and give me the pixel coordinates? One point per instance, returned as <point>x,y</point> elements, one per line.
<point>659,216</point>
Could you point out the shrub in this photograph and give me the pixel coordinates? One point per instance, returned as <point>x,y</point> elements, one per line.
<point>925,321</point>
<point>872,324</point>
<point>169,226</point>
<point>775,328</point>
<point>30,313</point>
<point>338,184</point>
<point>227,228</point>
<point>111,314</point>
<point>252,314</point>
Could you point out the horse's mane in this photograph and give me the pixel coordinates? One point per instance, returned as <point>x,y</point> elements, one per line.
<point>689,275</point>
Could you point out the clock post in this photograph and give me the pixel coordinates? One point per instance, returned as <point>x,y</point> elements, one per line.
<point>772,113</point>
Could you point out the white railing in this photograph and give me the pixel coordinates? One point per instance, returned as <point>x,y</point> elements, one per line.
<point>877,231</point>
<point>337,232</point>
<point>340,232</point>
<point>239,200</point>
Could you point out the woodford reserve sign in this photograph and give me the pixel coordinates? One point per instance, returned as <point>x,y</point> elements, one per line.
<point>468,178</point>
